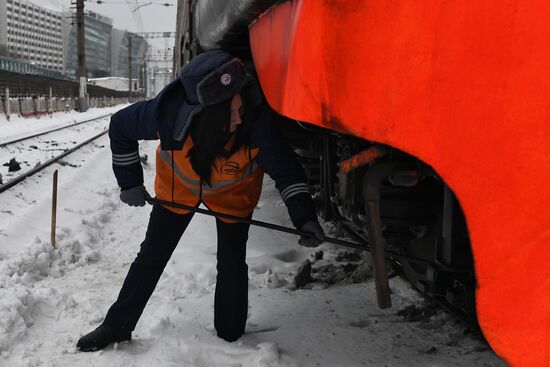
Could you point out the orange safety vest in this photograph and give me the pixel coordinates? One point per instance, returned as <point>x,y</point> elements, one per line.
<point>236,182</point>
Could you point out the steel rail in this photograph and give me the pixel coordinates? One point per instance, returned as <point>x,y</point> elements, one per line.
<point>51,131</point>
<point>472,325</point>
<point>362,245</point>
<point>36,169</point>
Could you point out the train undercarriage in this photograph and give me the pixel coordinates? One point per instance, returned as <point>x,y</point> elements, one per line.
<point>419,218</point>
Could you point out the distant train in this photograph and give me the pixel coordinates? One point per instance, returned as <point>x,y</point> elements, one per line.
<point>425,129</point>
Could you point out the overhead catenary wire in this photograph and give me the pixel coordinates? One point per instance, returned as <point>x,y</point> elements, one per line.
<point>137,14</point>
<point>167,4</point>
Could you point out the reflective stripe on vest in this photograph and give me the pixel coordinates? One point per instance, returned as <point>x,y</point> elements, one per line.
<point>194,185</point>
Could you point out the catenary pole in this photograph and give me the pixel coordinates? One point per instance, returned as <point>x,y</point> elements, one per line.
<point>129,67</point>
<point>81,52</point>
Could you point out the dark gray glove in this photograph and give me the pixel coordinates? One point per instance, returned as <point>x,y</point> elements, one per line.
<point>314,228</point>
<point>134,196</point>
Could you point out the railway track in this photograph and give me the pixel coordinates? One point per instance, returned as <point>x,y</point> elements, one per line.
<point>470,324</point>
<point>3,144</point>
<point>396,260</point>
<point>39,166</point>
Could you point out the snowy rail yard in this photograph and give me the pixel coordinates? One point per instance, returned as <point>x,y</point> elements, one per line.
<point>49,298</point>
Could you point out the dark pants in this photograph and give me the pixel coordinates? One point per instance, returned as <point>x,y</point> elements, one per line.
<point>163,234</point>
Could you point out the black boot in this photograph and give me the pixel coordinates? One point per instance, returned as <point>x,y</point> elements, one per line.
<point>100,338</point>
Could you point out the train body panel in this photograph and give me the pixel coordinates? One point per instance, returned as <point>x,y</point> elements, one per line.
<point>466,89</point>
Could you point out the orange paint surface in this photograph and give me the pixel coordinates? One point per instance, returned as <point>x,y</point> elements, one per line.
<point>464,87</point>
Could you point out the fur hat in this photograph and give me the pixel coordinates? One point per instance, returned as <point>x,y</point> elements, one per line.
<point>210,78</point>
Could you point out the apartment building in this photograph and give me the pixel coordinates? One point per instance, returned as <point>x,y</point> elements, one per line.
<point>47,39</point>
<point>31,33</point>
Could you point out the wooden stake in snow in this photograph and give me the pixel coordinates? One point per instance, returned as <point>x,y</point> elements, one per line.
<point>54,207</point>
<point>8,107</point>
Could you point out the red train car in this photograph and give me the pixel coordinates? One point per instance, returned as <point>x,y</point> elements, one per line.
<point>427,124</point>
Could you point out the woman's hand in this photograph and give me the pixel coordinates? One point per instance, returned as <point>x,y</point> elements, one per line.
<point>134,196</point>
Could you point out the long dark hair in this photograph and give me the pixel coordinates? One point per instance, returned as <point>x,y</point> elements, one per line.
<point>210,133</point>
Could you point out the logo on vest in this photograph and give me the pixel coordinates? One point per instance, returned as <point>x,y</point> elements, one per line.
<point>230,168</point>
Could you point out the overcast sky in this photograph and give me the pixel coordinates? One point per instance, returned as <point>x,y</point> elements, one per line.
<point>154,17</point>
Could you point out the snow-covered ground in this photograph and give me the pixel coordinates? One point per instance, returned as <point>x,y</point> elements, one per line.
<point>29,153</point>
<point>49,298</point>
<point>19,127</point>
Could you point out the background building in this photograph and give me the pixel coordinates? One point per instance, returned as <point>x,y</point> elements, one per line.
<point>119,53</point>
<point>119,58</point>
<point>98,45</point>
<point>31,33</point>
<point>45,39</point>
<point>115,83</point>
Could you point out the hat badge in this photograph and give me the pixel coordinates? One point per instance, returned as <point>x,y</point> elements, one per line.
<point>225,79</point>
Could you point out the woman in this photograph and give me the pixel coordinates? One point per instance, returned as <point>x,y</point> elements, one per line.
<point>216,141</point>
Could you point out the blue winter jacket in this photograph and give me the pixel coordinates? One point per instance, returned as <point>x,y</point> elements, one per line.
<point>157,119</point>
